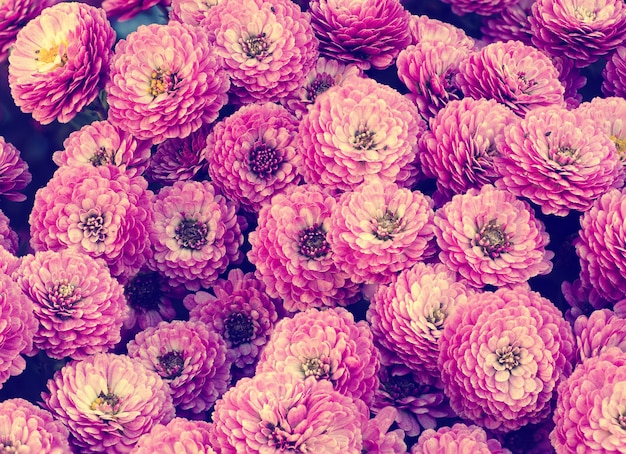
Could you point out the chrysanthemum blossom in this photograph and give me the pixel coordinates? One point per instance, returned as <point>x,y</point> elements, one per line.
<point>13,16</point>
<point>614,74</point>
<point>378,438</point>
<point>610,114</point>
<point>356,130</point>
<point>178,436</point>
<point>369,33</point>
<point>125,10</point>
<point>190,12</point>
<point>14,174</point>
<point>480,7</point>
<point>8,261</point>
<point>511,23</point>
<point>379,229</point>
<point>9,239</point>
<point>191,359</point>
<point>460,438</point>
<point>589,413</point>
<point>502,355</point>
<point>276,411</point>
<point>558,159</point>
<point>513,73</point>
<point>251,154</point>
<point>424,28</point>
<point>107,402</point>
<point>603,329</point>
<point>268,47</point>
<point>582,30</point>
<point>328,345</point>
<point>166,81</point>
<point>97,210</point>
<point>291,253</point>
<point>60,61</point>
<point>25,427</point>
<point>490,237</point>
<point>79,306</point>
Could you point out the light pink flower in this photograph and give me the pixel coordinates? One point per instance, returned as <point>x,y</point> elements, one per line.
<point>459,438</point>
<point>191,12</point>
<point>603,329</point>
<point>177,436</point>
<point>424,28</point>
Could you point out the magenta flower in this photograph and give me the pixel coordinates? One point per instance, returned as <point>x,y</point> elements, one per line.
<point>512,23</point>
<point>513,73</point>
<point>124,10</point>
<point>179,433</point>
<point>501,356</point>
<point>251,154</point>
<point>377,438</point>
<point>13,16</point>
<point>359,129</point>
<point>97,210</point>
<point>79,306</point>
<point>190,12</point>
<point>29,428</point>
<point>60,61</point>
<point>603,329</point>
<point>14,174</point>
<point>166,81</point>
<point>490,237</point>
<point>9,239</point>
<point>196,234</point>
<point>561,160</point>
<point>459,438</point>
<point>608,113</point>
<point>107,402</point>
<point>8,261</point>
<point>268,47</point>
<point>614,73</point>
<point>424,28</point>
<point>276,411</point>
<point>583,30</point>
<point>291,252</point>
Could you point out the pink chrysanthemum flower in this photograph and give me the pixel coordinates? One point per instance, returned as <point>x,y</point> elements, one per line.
<point>610,114</point>
<point>582,30</point>
<point>14,174</point>
<point>590,409</point>
<point>27,428</point>
<point>561,160</point>
<point>424,28</point>
<point>603,329</point>
<point>501,356</point>
<point>179,159</point>
<point>17,328</point>
<point>459,438</point>
<point>359,129</point>
<point>369,33</point>
<point>79,306</point>
<point>251,154</point>
<point>13,16</point>
<point>101,143</point>
<point>240,311</point>
<point>178,436</point>
<point>190,357</point>
<point>614,74</point>
<point>196,234</point>
<point>328,345</point>
<point>481,7</point>
<point>97,210</point>
<point>268,47</point>
<point>9,239</point>
<point>124,10</point>
<point>8,261</point>
<point>459,146</point>
<point>291,252</point>
<point>191,12</point>
<point>166,81</point>
<point>511,23</point>
<point>513,73</point>
<point>107,402</point>
<point>379,229</point>
<point>60,61</point>
<point>276,411</point>
<point>377,438</point>
<point>490,237</point>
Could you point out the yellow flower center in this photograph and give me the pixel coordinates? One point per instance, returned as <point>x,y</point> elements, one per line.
<point>52,57</point>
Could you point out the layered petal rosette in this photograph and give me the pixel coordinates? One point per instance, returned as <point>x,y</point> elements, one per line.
<point>14,174</point>
<point>60,61</point>
<point>13,16</point>
<point>251,154</point>
<point>196,234</point>
<point>490,237</point>
<point>359,129</point>
<point>9,239</point>
<point>276,411</point>
<point>178,436</point>
<point>268,47</point>
<point>190,12</point>
<point>8,261</point>
<point>603,329</point>
<point>609,113</point>
<point>502,355</point>
<point>166,81</point>
<point>460,438</point>
<point>558,159</point>
<point>376,434</point>
<point>124,10</point>
<point>79,306</point>
<point>424,28</point>
<point>291,253</point>
<point>107,402</point>
<point>512,23</point>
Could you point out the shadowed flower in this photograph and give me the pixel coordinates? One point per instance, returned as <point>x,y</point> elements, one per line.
<point>124,10</point>
<point>601,330</point>
<point>191,12</point>
<point>13,16</point>
<point>9,238</point>
<point>60,61</point>
<point>166,81</point>
<point>14,174</point>
<point>583,299</point>
<point>481,7</point>
<point>511,23</point>
<point>572,79</point>
<point>459,438</point>
<point>614,74</point>
<point>176,437</point>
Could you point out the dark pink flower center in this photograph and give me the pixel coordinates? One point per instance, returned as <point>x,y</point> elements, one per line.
<point>525,84</point>
<point>108,403</point>
<point>385,227</point>
<point>318,367</point>
<point>191,234</point>
<point>162,81</point>
<point>436,317</point>
<point>143,292</point>
<point>364,139</point>
<point>264,161</point>
<point>312,242</point>
<point>400,387</point>
<point>492,239</point>
<point>320,84</point>
<point>61,298</point>
<point>508,357</point>
<point>256,46</point>
<point>93,225</point>
<point>565,155</point>
<point>7,446</point>
<point>101,156</point>
<point>279,439</point>
<point>621,420</point>
<point>239,328</point>
<point>170,365</point>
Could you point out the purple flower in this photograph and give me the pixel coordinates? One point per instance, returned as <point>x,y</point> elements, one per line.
<point>268,47</point>
<point>107,402</point>
<point>501,356</point>
<point>561,160</point>
<point>369,33</point>
<point>166,81</point>
<point>274,412</point>
<point>196,234</point>
<point>459,438</point>
<point>328,345</point>
<point>124,10</point>
<point>571,78</point>
<point>481,7</point>
<point>60,61</point>
<point>13,16</point>
<point>583,299</point>
<point>191,12</point>
<point>614,74</point>
<point>9,238</point>
<point>603,329</point>
<point>14,174</point>
<point>290,250</point>
<point>251,154</point>
<point>513,73</point>
<point>424,28</point>
<point>492,238</point>
<point>511,23</point>
<point>80,308</point>
<point>179,433</point>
